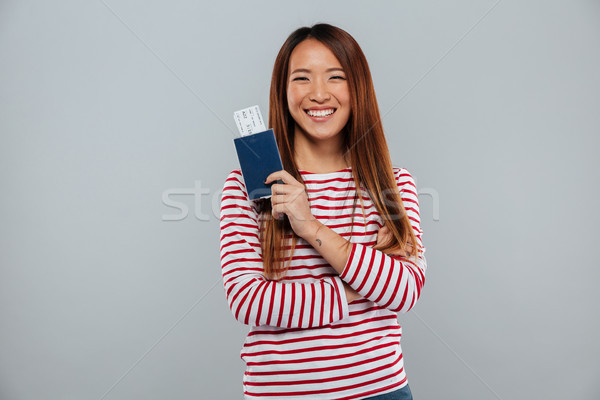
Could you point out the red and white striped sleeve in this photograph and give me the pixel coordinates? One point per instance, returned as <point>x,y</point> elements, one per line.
<point>255,300</point>
<point>392,282</point>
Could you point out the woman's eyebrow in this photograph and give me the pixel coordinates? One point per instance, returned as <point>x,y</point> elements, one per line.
<point>307,70</point>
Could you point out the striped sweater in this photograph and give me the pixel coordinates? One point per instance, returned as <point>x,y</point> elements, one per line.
<point>306,341</point>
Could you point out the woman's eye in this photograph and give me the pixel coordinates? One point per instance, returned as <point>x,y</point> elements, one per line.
<point>338,77</point>
<point>299,78</point>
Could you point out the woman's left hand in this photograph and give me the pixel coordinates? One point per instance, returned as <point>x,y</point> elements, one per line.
<point>290,198</point>
<point>383,235</point>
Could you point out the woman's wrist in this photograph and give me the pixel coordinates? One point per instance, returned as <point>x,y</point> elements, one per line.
<point>312,230</point>
<point>333,247</point>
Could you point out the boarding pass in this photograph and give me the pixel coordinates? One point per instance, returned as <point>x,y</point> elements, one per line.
<point>249,121</point>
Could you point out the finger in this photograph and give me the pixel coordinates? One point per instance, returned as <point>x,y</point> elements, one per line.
<point>396,250</point>
<point>278,199</point>
<point>383,229</point>
<point>285,176</point>
<point>278,188</point>
<point>398,253</point>
<point>383,235</point>
<point>278,211</point>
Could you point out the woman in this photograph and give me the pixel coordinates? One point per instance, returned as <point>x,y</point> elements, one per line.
<point>321,268</point>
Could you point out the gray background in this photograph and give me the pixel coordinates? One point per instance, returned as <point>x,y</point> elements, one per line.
<point>108,108</point>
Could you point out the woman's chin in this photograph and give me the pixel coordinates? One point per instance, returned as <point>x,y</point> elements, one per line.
<point>319,135</point>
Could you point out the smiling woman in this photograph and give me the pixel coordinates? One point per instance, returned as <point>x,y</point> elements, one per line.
<point>318,98</point>
<point>321,269</point>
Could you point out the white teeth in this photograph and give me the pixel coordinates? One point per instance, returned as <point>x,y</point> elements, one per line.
<point>320,113</point>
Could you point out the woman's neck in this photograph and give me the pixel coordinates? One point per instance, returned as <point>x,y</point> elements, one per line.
<point>320,156</point>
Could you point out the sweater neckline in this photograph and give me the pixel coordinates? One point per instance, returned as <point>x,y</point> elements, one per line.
<point>341,171</point>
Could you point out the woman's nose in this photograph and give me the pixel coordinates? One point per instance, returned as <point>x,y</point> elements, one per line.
<point>319,92</point>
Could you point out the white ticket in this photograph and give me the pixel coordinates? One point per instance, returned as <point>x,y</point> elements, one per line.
<point>249,121</point>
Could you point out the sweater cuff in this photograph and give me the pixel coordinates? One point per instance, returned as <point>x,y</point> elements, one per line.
<point>352,264</point>
<point>341,300</point>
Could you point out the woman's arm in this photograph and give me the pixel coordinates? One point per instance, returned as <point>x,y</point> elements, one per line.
<point>391,281</point>
<point>252,298</point>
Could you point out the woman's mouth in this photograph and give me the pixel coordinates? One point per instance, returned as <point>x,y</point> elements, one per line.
<point>320,114</point>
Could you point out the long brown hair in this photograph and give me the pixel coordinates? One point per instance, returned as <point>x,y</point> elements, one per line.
<point>364,144</point>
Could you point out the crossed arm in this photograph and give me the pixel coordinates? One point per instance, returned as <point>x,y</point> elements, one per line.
<point>366,274</point>
<point>391,281</point>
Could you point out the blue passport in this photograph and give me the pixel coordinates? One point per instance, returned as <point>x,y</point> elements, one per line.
<point>259,157</point>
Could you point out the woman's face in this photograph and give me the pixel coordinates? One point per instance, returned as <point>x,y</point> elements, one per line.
<point>317,91</point>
